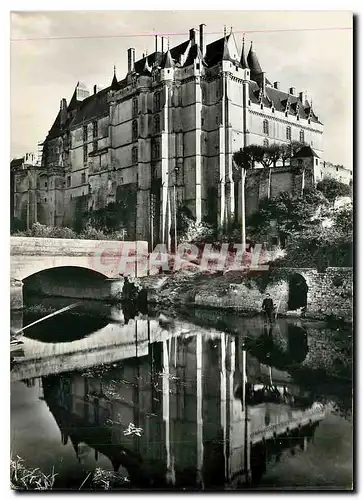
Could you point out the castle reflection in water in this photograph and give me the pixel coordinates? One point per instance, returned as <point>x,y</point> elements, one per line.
<point>208,413</point>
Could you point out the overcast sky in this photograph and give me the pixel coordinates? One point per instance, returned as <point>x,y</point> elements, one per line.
<point>306,53</point>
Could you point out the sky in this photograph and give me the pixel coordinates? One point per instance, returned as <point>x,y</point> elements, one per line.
<point>51,51</point>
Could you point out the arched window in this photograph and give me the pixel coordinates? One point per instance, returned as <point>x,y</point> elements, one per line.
<point>302,136</point>
<point>134,155</point>
<point>135,106</point>
<point>156,124</point>
<point>134,130</point>
<point>288,133</point>
<point>156,101</point>
<point>265,127</point>
<point>265,142</point>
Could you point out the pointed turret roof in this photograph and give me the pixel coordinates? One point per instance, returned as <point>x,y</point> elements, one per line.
<point>244,62</point>
<point>168,61</point>
<point>146,70</point>
<point>226,55</point>
<point>114,84</point>
<point>253,62</point>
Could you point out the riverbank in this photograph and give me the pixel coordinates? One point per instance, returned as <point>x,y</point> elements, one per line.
<point>329,295</point>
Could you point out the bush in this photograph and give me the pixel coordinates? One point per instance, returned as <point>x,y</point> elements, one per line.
<point>89,233</point>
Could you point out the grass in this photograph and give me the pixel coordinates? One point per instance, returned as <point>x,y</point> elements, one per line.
<point>22,478</point>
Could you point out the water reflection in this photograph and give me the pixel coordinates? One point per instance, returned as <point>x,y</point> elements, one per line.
<point>210,408</point>
<point>183,395</point>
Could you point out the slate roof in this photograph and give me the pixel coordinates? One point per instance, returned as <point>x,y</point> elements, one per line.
<point>96,105</point>
<point>214,51</point>
<point>306,152</point>
<point>279,100</point>
<point>93,106</point>
<point>16,162</point>
<point>193,53</point>
<point>243,62</point>
<point>253,62</point>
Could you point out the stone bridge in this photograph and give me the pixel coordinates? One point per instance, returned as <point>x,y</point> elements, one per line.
<point>105,258</point>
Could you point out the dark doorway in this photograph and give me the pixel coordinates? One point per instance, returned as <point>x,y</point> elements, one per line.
<point>298,292</point>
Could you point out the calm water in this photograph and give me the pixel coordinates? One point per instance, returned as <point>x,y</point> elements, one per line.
<point>186,401</point>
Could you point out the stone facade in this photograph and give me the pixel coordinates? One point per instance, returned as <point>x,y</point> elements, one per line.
<point>174,121</point>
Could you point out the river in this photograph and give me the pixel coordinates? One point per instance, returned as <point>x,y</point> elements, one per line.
<point>193,399</point>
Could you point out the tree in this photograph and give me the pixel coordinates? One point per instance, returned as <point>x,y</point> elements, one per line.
<point>243,160</point>
<point>288,150</point>
<point>321,247</point>
<point>291,213</point>
<point>270,156</point>
<point>333,189</point>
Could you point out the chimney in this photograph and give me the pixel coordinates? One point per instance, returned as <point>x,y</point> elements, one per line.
<point>201,38</point>
<point>292,91</point>
<point>81,91</point>
<point>192,35</point>
<point>277,85</point>
<point>303,97</point>
<point>130,60</point>
<point>95,89</point>
<point>156,43</point>
<point>162,45</point>
<point>63,111</point>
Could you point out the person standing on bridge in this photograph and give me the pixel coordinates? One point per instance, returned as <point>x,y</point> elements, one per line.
<point>268,307</point>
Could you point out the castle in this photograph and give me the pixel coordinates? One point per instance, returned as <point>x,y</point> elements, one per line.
<point>163,137</point>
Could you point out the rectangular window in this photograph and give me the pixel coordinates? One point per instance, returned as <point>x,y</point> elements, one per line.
<point>69,181</point>
<point>95,129</point>
<point>85,153</point>
<point>265,127</point>
<point>135,106</point>
<point>46,184</point>
<point>85,133</point>
<point>156,101</point>
<point>83,180</point>
<point>95,145</point>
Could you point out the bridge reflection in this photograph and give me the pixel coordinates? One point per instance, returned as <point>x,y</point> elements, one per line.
<point>186,392</point>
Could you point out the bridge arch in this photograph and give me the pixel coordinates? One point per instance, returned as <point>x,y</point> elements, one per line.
<point>67,281</point>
